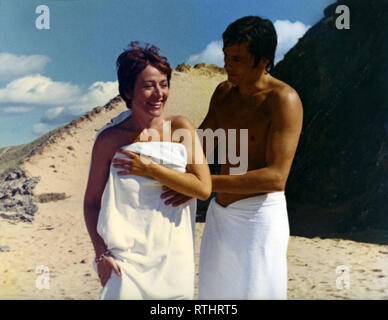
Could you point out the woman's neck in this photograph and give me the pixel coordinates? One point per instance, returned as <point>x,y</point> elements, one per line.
<point>140,122</point>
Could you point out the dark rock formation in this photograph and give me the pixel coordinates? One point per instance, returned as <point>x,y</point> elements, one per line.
<point>339,178</point>
<point>4,249</point>
<point>16,196</point>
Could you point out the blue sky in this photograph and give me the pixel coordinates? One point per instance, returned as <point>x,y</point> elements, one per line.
<point>50,76</point>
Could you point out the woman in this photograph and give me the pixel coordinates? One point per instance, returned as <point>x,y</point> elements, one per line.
<point>144,248</point>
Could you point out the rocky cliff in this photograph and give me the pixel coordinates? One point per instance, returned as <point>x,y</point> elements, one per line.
<point>16,196</point>
<point>339,178</point>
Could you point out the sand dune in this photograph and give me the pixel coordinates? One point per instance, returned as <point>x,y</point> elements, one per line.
<point>58,240</point>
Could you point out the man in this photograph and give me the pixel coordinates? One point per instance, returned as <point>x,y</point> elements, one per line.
<point>244,244</point>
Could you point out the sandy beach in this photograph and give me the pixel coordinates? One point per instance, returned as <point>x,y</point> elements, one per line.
<point>57,240</point>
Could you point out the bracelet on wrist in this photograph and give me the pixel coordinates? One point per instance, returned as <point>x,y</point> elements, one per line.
<point>101,257</point>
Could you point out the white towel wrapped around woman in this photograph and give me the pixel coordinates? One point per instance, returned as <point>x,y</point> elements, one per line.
<point>152,243</point>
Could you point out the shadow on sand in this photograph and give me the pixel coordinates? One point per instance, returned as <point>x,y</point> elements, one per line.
<point>311,221</point>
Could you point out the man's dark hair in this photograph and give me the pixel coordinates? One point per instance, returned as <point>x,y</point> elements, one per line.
<point>133,61</point>
<point>259,34</point>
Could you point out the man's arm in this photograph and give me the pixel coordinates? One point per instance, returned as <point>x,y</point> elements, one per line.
<point>210,122</point>
<point>282,141</point>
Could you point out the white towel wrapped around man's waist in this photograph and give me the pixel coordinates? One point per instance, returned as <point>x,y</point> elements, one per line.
<point>153,244</point>
<point>244,249</point>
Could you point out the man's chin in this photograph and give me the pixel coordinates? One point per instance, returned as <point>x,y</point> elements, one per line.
<point>233,80</point>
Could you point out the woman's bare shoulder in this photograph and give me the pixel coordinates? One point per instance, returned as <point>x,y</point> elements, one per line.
<point>106,135</point>
<point>107,141</point>
<point>180,121</point>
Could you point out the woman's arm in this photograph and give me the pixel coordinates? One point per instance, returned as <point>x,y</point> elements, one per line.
<point>210,122</point>
<point>195,182</point>
<point>98,176</point>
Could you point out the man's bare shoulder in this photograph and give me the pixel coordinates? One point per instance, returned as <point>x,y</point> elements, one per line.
<point>283,96</point>
<point>222,91</point>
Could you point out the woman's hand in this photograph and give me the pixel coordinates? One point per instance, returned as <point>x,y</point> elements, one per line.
<point>133,164</point>
<point>105,267</point>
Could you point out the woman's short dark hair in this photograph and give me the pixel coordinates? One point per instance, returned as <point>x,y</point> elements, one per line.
<point>259,34</point>
<point>133,61</point>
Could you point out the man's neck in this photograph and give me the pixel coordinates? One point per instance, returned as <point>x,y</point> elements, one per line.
<point>256,84</point>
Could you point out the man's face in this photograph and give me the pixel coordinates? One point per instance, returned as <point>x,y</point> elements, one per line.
<point>239,63</point>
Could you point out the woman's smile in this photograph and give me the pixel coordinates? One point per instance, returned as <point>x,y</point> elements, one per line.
<point>156,104</point>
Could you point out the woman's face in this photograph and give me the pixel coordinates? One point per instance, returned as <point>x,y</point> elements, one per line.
<point>150,92</point>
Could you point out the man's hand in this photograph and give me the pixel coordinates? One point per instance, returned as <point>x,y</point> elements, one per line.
<point>174,198</point>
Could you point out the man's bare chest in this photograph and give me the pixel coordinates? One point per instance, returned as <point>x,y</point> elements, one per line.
<point>255,120</point>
